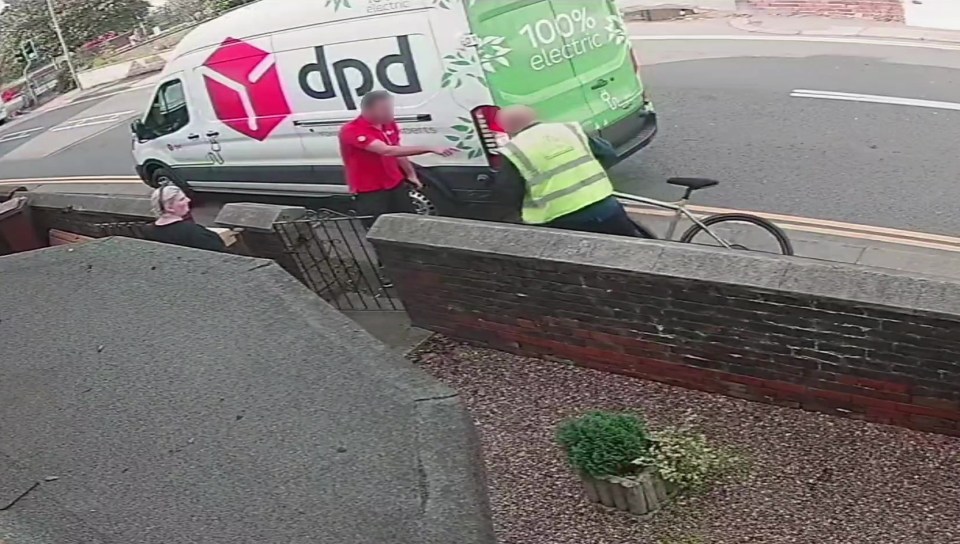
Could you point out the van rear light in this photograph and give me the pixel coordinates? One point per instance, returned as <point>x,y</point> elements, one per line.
<point>492,135</point>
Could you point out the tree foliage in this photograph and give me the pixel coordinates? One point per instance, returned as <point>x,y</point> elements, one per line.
<point>182,11</point>
<point>84,21</point>
<point>80,20</point>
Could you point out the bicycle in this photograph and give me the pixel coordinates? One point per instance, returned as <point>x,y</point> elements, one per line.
<point>707,225</point>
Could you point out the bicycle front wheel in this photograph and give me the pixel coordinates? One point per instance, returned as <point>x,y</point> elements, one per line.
<point>740,231</point>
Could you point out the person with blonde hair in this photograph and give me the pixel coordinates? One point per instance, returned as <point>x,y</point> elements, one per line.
<point>172,208</point>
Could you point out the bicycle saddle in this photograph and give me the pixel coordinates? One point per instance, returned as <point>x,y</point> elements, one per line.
<point>693,183</point>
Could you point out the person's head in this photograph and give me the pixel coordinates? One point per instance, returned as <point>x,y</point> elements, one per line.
<point>169,200</point>
<point>513,119</point>
<point>377,107</point>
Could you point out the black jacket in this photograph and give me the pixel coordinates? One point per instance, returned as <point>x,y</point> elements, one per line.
<point>186,234</point>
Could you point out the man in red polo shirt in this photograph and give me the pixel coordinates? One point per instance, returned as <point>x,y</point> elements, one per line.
<point>376,164</point>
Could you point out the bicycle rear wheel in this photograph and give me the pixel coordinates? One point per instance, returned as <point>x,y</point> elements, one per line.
<point>740,231</point>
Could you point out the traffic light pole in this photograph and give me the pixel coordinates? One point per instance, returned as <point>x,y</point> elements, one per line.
<point>63,44</point>
<point>31,95</point>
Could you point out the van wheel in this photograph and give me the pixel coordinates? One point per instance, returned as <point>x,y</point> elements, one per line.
<point>422,204</point>
<point>162,176</point>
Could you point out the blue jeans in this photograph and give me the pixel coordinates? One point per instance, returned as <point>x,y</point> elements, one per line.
<point>604,217</point>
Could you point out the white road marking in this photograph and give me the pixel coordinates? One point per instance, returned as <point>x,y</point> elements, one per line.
<point>83,100</point>
<point>19,135</point>
<point>113,117</point>
<point>815,39</point>
<point>876,99</point>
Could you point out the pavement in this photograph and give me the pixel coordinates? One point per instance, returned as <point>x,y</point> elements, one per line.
<point>806,25</point>
<point>235,406</point>
<point>889,249</point>
<point>733,24</point>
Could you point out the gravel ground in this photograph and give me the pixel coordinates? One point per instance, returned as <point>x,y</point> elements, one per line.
<point>815,479</point>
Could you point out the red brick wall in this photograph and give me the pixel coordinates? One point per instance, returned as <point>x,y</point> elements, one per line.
<point>842,357</point>
<point>881,10</point>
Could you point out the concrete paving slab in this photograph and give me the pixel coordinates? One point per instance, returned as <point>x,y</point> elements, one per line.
<point>15,482</point>
<point>39,519</point>
<point>393,328</point>
<point>827,250</point>
<point>933,262</point>
<point>941,264</point>
<point>190,396</point>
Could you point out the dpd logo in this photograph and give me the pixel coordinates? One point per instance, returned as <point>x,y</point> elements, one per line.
<point>341,70</point>
<point>244,87</point>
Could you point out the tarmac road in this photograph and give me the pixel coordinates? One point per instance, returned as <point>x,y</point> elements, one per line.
<point>726,112</point>
<point>734,119</point>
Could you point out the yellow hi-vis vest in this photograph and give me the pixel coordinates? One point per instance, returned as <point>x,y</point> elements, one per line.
<point>561,173</point>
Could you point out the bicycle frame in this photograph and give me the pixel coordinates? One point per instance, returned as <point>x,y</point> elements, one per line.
<point>680,211</point>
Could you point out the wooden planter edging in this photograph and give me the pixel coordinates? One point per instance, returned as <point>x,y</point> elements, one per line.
<point>651,493</point>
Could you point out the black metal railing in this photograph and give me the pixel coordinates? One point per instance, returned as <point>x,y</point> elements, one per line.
<point>333,258</point>
<point>128,229</point>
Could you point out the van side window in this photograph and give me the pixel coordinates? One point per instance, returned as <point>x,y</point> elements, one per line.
<point>168,112</point>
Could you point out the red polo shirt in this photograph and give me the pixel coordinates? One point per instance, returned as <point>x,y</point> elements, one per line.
<point>366,171</point>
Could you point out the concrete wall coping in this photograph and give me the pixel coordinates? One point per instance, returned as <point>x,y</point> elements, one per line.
<point>258,217</point>
<point>857,283</point>
<point>135,206</point>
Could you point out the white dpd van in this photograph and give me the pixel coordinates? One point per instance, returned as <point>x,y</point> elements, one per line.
<point>252,102</point>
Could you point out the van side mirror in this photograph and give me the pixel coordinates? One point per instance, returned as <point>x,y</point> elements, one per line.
<point>139,130</point>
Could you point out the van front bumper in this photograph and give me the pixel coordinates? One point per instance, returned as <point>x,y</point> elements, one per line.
<point>631,134</point>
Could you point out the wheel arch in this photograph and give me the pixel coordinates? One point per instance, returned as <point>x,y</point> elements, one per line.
<point>150,167</point>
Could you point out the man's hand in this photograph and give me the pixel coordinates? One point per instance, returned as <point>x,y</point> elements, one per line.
<point>444,151</point>
<point>417,184</point>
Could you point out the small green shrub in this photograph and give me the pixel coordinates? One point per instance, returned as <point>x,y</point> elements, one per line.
<point>686,459</point>
<point>604,444</point>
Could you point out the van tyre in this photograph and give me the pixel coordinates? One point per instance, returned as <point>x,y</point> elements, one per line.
<point>422,203</point>
<point>162,176</point>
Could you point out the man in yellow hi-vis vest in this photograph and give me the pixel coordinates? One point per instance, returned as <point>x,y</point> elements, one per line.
<point>553,173</point>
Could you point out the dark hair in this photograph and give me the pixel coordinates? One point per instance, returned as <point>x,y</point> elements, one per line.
<point>373,98</point>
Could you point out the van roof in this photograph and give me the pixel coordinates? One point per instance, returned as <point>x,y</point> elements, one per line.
<point>268,17</point>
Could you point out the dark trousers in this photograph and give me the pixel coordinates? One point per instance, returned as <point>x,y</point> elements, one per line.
<point>617,223</point>
<point>372,205</point>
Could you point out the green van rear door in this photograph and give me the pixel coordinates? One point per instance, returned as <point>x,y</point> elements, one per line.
<point>602,59</point>
<point>514,66</point>
<point>568,58</point>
